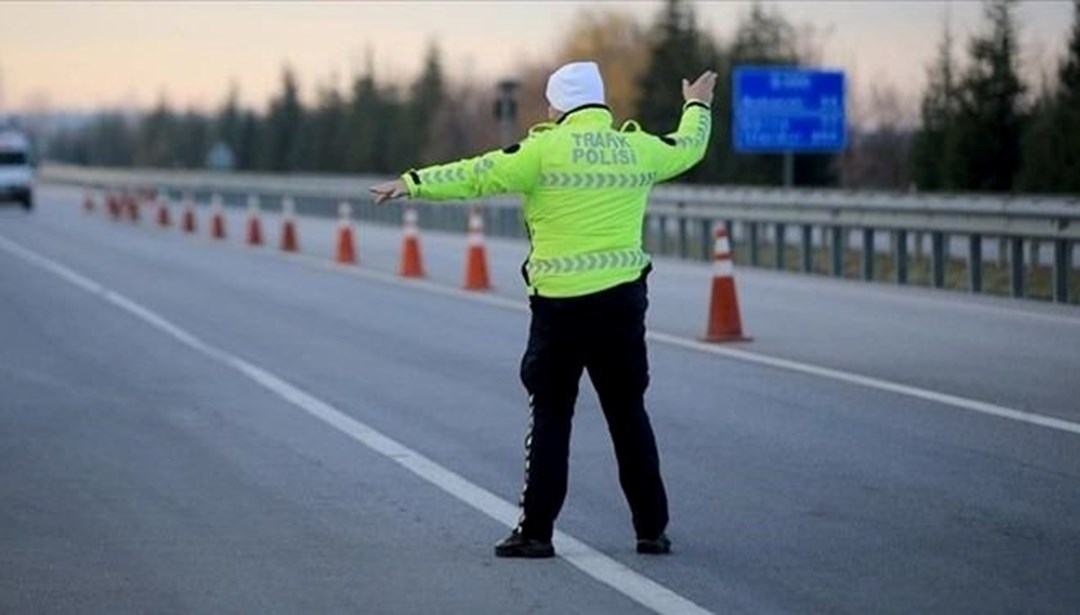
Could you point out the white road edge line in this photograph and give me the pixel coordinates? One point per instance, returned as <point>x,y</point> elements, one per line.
<point>593,563</point>
<point>921,296</point>
<point>874,383</point>
<point>745,356</point>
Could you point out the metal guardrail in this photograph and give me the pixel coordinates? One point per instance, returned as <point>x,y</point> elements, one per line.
<point>834,223</point>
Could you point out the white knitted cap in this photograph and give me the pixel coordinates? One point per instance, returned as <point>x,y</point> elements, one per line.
<point>574,85</point>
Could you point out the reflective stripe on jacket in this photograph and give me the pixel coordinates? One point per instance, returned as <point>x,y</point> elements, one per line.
<point>586,186</point>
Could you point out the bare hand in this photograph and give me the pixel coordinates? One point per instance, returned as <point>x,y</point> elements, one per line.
<point>389,191</point>
<point>702,89</point>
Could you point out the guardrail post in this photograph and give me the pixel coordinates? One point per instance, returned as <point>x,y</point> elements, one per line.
<point>937,257</point>
<point>975,263</point>
<point>837,251</point>
<point>1062,252</point>
<point>752,232</point>
<point>706,239</point>
<point>729,225</point>
<point>807,248</point>
<point>900,256</point>
<point>684,244</point>
<point>1016,266</point>
<point>661,222</point>
<point>780,260</point>
<point>868,254</point>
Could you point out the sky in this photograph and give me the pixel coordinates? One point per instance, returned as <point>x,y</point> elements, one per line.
<point>87,55</point>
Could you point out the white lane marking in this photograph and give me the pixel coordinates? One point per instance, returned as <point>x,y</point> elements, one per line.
<point>912,295</point>
<point>595,564</point>
<point>746,356</point>
<point>871,382</point>
<point>34,258</point>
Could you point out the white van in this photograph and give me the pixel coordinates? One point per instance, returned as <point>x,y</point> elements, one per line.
<point>16,169</point>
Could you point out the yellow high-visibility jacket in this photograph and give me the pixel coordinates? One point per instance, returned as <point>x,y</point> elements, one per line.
<point>585,185</point>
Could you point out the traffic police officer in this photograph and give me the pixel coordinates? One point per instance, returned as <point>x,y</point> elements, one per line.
<point>586,186</point>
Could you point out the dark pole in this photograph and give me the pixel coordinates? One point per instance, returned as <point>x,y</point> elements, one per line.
<point>506,110</point>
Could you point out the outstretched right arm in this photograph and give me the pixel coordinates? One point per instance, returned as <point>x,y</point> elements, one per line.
<point>675,153</point>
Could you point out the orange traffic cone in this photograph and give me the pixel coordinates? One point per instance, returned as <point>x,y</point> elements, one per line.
<point>217,218</point>
<point>163,217</point>
<point>88,202</point>
<point>412,265</point>
<point>289,241</point>
<point>725,324</point>
<point>115,209</point>
<point>132,202</point>
<point>476,269</point>
<point>189,224</point>
<point>254,227</point>
<point>346,250</point>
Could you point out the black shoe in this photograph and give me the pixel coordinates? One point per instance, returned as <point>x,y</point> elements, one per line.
<point>660,545</point>
<point>516,545</point>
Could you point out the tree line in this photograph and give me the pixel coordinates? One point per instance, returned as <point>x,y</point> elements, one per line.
<point>982,129</point>
<point>980,126</point>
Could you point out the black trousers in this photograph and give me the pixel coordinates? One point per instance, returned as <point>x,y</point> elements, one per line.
<point>603,333</point>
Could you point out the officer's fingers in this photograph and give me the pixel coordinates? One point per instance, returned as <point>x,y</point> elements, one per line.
<point>707,79</point>
<point>380,194</point>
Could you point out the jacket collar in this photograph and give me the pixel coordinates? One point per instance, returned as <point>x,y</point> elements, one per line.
<point>587,114</point>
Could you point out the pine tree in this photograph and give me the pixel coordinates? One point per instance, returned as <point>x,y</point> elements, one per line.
<point>989,122</point>
<point>227,125</point>
<point>110,141</point>
<point>934,137</point>
<point>426,96</point>
<point>247,142</point>
<point>1042,141</point>
<point>154,138</point>
<point>194,138</point>
<point>283,124</point>
<point>362,123</point>
<point>765,38</point>
<point>676,52</point>
<point>1068,105</point>
<point>323,144</point>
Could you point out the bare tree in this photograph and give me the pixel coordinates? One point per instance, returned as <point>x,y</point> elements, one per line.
<point>879,152</point>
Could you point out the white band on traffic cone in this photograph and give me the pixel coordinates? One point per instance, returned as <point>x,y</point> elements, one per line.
<point>722,246</point>
<point>411,222</point>
<point>723,268</point>
<point>476,228</point>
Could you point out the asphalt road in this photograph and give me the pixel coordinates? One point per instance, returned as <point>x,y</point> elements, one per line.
<point>145,471</point>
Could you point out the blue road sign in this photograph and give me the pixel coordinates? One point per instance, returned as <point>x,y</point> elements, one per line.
<point>784,109</point>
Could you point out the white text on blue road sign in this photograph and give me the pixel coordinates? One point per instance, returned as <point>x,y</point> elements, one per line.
<point>781,109</point>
